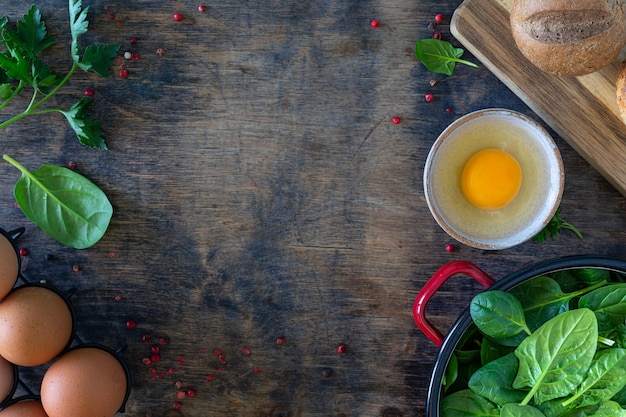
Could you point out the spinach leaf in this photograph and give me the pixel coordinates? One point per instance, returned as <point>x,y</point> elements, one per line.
<point>439,56</point>
<point>605,378</point>
<point>543,299</point>
<point>608,303</point>
<point>517,410</point>
<point>555,358</point>
<point>490,351</point>
<point>64,204</point>
<point>498,314</point>
<point>610,409</point>
<point>576,279</point>
<point>452,372</point>
<point>494,381</point>
<point>467,404</point>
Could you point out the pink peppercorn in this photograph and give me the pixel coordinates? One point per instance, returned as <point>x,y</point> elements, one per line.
<point>396,120</point>
<point>133,40</point>
<point>375,23</point>
<point>201,8</point>
<point>123,73</point>
<point>130,324</point>
<point>437,35</point>
<point>342,348</point>
<point>429,97</point>
<point>89,92</point>
<point>23,251</point>
<point>178,17</point>
<point>449,248</point>
<point>191,392</point>
<point>438,18</point>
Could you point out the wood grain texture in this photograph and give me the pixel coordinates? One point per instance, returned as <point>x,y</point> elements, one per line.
<point>583,110</point>
<point>261,190</point>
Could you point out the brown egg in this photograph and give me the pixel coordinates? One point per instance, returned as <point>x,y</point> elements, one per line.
<point>36,324</point>
<point>86,381</point>
<point>7,379</point>
<point>24,408</point>
<point>9,266</point>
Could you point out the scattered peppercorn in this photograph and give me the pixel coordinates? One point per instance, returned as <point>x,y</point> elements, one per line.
<point>432,83</point>
<point>23,252</point>
<point>155,358</point>
<point>127,55</point>
<point>280,341</point>
<point>134,56</point>
<point>177,405</point>
<point>191,392</point>
<point>375,23</point>
<point>181,394</point>
<point>89,92</point>
<point>123,73</point>
<point>438,18</point>
<point>146,338</point>
<point>71,164</point>
<point>396,120</point>
<point>342,348</point>
<point>201,8</point>
<point>437,35</point>
<point>449,248</point>
<point>178,17</point>
<point>449,110</point>
<point>160,51</point>
<point>146,361</point>
<point>209,377</point>
<point>118,298</point>
<point>178,384</point>
<point>76,268</point>
<point>429,97</point>
<point>133,40</point>
<point>130,324</point>
<point>246,351</point>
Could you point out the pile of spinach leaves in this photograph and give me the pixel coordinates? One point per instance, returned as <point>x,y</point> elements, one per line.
<point>552,346</point>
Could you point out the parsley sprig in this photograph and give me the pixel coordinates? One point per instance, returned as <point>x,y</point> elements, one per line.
<point>554,227</point>
<point>21,67</point>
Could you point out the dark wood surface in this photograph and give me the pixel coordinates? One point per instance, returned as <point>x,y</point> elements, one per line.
<point>262,191</point>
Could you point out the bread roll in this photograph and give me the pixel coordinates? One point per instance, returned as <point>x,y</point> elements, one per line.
<point>621,91</point>
<point>569,37</point>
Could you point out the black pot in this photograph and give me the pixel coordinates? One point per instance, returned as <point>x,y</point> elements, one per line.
<point>449,343</point>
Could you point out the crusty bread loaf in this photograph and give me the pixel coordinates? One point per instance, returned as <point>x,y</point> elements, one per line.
<point>569,37</point>
<point>620,89</point>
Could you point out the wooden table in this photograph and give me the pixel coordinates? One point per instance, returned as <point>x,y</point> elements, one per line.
<point>261,191</point>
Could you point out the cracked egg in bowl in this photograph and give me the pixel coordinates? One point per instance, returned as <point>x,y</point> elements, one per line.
<point>493,179</point>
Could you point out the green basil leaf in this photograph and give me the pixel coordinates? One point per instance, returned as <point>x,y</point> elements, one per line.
<point>467,404</point>
<point>555,358</point>
<point>439,56</point>
<point>517,410</point>
<point>498,314</point>
<point>65,205</point>
<point>494,381</point>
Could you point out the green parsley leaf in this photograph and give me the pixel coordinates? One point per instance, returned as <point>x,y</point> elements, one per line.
<point>87,129</point>
<point>78,26</point>
<point>5,90</point>
<point>31,35</point>
<point>99,58</point>
<point>554,227</point>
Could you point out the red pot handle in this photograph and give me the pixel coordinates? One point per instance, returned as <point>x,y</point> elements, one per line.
<point>433,285</point>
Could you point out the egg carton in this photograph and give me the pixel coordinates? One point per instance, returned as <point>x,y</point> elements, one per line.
<point>20,389</point>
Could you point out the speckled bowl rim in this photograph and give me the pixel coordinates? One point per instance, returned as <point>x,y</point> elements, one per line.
<point>526,233</point>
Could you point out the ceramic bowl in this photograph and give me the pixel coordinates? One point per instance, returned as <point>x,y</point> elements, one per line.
<point>538,197</point>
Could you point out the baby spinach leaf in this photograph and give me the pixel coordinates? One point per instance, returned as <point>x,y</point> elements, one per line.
<point>439,56</point>
<point>610,409</point>
<point>605,378</point>
<point>452,372</point>
<point>517,410</point>
<point>64,204</point>
<point>543,299</point>
<point>498,314</point>
<point>608,303</point>
<point>554,359</point>
<point>467,404</point>
<point>494,381</point>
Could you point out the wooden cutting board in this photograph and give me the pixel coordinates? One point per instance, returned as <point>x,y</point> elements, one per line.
<point>582,110</point>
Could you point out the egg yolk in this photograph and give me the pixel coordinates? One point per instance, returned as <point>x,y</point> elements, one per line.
<point>491,179</point>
